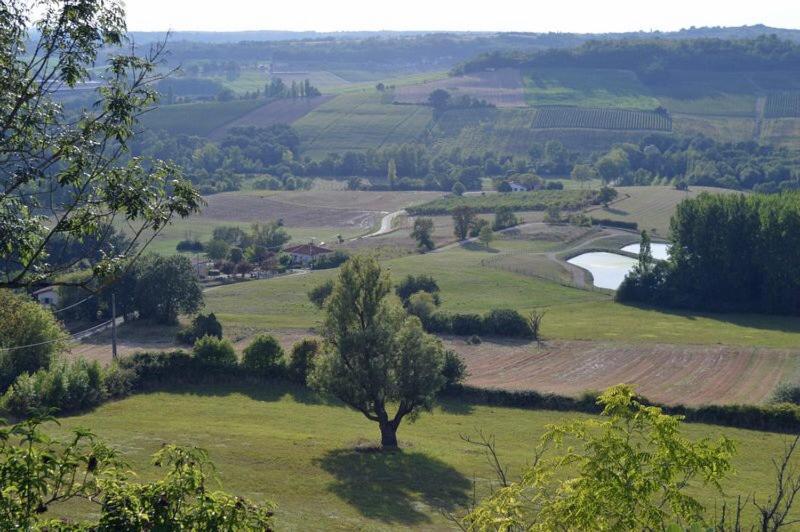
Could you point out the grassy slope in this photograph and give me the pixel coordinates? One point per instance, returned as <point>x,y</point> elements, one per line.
<point>281,444</point>
<point>470,284</point>
<point>650,207</point>
<point>197,118</point>
<point>358,121</point>
<point>587,88</point>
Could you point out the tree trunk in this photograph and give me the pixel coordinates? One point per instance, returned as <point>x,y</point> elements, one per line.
<point>388,435</point>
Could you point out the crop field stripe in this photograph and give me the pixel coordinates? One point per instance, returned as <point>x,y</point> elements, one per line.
<point>601,118</point>
<point>783,105</point>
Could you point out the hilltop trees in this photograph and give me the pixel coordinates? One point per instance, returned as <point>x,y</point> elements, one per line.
<point>376,355</point>
<point>422,232</point>
<point>73,165</point>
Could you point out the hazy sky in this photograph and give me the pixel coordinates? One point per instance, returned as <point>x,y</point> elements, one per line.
<point>486,15</point>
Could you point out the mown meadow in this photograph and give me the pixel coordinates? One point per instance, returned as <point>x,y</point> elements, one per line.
<point>282,443</point>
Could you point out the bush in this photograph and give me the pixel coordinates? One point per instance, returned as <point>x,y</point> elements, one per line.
<point>301,361</point>
<point>615,223</point>
<point>64,387</point>
<point>506,322</point>
<point>467,324</point>
<point>214,352</point>
<point>25,322</point>
<point>201,326</point>
<point>786,393</point>
<point>331,260</point>
<point>477,225</point>
<point>191,246</point>
<point>264,356</point>
<point>421,305</point>
<point>419,283</point>
<point>474,340</point>
<point>454,369</point>
<point>320,293</point>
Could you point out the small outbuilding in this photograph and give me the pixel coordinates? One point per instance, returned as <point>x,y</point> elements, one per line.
<point>47,296</point>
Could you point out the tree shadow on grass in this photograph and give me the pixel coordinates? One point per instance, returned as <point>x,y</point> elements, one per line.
<point>395,487</point>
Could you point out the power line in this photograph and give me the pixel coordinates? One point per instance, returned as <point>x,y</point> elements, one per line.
<point>74,304</point>
<point>72,337</point>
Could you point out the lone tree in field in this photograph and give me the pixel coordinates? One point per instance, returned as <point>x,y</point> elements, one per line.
<point>423,229</point>
<point>64,175</point>
<point>486,235</point>
<point>463,218</point>
<point>376,355</point>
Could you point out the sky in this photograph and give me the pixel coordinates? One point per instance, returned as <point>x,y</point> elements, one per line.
<point>588,16</point>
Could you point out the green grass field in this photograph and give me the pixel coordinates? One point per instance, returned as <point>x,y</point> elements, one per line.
<point>358,121</point>
<point>199,118</point>
<point>470,281</point>
<point>282,444</point>
<point>538,200</point>
<point>587,88</point>
<point>650,207</point>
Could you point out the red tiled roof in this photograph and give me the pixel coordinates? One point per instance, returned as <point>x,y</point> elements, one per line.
<point>308,249</point>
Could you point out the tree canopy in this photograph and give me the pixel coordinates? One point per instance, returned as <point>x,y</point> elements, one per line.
<point>375,354</point>
<point>64,174</point>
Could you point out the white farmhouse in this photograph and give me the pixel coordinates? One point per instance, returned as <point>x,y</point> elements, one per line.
<point>306,253</point>
<point>47,296</point>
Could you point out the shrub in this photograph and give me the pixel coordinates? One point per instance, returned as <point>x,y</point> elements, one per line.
<point>25,322</point>
<point>477,226</point>
<point>201,326</point>
<point>320,293</point>
<point>454,369</point>
<point>264,356</point>
<point>301,361</point>
<point>467,324</point>
<point>421,305</point>
<point>615,223</point>
<point>215,352</point>
<point>191,246</point>
<point>506,322</point>
<point>64,387</point>
<point>474,340</point>
<point>786,393</point>
<point>331,260</point>
<point>412,284</point>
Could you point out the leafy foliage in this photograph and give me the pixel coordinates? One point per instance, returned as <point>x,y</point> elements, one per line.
<point>26,323</point>
<point>71,164</point>
<point>376,355</point>
<point>214,352</point>
<point>37,471</point>
<point>264,356</point>
<point>631,471</point>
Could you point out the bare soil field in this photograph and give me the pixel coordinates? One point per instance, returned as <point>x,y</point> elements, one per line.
<point>320,208</point>
<point>502,88</point>
<point>283,111</point>
<point>671,374</point>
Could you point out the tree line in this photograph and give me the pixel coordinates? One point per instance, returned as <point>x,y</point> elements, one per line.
<point>728,252</point>
<point>654,58</point>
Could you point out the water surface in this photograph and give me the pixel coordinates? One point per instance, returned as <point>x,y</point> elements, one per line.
<point>607,269</point>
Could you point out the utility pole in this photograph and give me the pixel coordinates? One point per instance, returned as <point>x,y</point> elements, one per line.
<point>113,325</point>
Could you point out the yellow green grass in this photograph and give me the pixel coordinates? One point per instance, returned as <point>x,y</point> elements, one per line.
<point>587,88</point>
<point>650,207</point>
<point>280,443</point>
